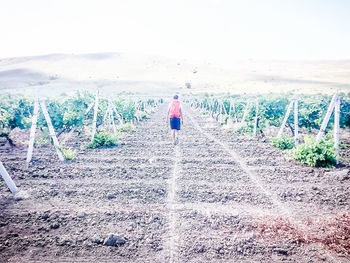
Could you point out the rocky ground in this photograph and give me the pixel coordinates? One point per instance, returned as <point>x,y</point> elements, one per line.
<point>216,197</point>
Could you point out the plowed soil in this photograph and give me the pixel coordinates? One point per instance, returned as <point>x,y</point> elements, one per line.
<point>215,197</point>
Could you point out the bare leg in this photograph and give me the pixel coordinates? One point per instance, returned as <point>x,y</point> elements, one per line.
<point>173,134</point>
<point>176,136</point>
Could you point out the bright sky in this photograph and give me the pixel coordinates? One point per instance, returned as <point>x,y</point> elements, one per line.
<point>195,29</point>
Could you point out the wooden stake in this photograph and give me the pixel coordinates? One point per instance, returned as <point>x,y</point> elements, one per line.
<point>10,184</point>
<point>296,121</point>
<point>32,130</point>
<point>112,122</point>
<point>229,113</point>
<point>51,130</point>
<point>223,106</point>
<point>326,118</point>
<point>106,113</point>
<point>256,117</point>
<point>336,127</point>
<point>211,108</point>
<point>89,108</point>
<point>234,112</point>
<point>95,118</point>
<point>285,118</point>
<point>117,114</point>
<point>245,112</point>
<point>111,116</point>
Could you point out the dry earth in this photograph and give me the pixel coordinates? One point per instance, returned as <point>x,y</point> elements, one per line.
<point>216,197</point>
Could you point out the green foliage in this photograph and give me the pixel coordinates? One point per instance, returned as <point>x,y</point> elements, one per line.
<point>55,110</point>
<point>282,142</point>
<point>127,127</point>
<point>42,141</point>
<point>103,138</point>
<point>71,118</point>
<point>44,138</point>
<point>4,118</point>
<point>316,154</point>
<point>244,129</point>
<point>345,111</point>
<point>74,109</point>
<point>312,110</point>
<point>126,108</point>
<point>67,112</point>
<point>150,102</point>
<point>272,108</point>
<point>15,111</point>
<point>144,115</point>
<point>68,153</point>
<point>223,120</point>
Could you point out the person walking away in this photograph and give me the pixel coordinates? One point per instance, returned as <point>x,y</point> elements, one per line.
<point>175,117</point>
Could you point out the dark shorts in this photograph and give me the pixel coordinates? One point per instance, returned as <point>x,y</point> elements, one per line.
<point>175,123</point>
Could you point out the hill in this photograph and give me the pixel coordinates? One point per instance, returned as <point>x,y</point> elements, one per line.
<point>154,74</point>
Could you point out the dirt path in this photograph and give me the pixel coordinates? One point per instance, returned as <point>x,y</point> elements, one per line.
<point>204,200</point>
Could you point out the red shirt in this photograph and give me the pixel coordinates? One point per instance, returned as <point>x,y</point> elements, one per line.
<point>174,109</point>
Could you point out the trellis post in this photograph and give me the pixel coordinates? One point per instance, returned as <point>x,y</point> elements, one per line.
<point>41,103</point>
<point>32,130</point>
<point>234,111</point>
<point>326,118</point>
<point>113,124</point>
<point>290,106</point>
<point>336,127</point>
<point>223,106</point>
<point>334,105</point>
<point>89,108</point>
<point>245,112</point>
<point>106,113</point>
<point>8,180</point>
<point>229,113</point>
<point>256,117</point>
<point>116,113</point>
<point>95,118</point>
<point>51,129</point>
<point>296,121</point>
<point>111,116</point>
<point>219,111</point>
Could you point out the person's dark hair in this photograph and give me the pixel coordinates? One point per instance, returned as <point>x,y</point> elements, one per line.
<point>176,97</point>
